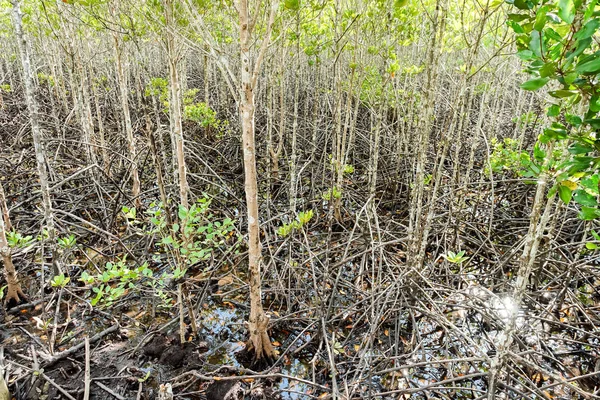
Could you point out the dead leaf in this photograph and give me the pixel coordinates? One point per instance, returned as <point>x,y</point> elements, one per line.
<point>570,184</point>
<point>228,280</point>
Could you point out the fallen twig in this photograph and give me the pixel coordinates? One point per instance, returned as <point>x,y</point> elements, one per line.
<point>86,393</point>
<point>59,356</point>
<point>110,391</point>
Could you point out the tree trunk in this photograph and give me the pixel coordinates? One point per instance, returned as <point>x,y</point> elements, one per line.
<point>36,131</point>
<point>416,209</point>
<point>157,167</point>
<point>4,208</point>
<point>259,343</point>
<point>341,141</point>
<point>101,136</point>
<point>14,293</point>
<point>374,152</point>
<point>85,112</point>
<point>537,225</point>
<point>276,153</point>
<point>294,152</point>
<point>123,91</point>
<point>175,105</point>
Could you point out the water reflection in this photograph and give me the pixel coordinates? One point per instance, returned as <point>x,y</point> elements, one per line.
<point>506,308</point>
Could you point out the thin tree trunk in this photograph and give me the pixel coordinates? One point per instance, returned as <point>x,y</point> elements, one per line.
<point>537,225</point>
<point>270,106</point>
<point>161,142</point>
<point>4,207</point>
<point>175,105</point>
<point>123,91</point>
<point>36,132</point>
<point>341,143</point>
<point>101,136</point>
<point>294,152</point>
<point>158,169</point>
<point>476,138</point>
<point>87,122</point>
<point>415,228</point>
<point>258,322</point>
<point>316,120</point>
<point>374,151</point>
<point>206,80</point>
<point>59,83</point>
<point>276,153</point>
<point>14,293</point>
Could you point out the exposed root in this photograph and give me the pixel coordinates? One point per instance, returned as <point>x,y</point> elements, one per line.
<point>14,295</point>
<point>259,344</point>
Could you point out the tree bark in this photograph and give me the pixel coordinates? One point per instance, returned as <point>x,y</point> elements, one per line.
<point>259,344</point>
<point>294,152</point>
<point>276,152</point>
<point>36,131</point>
<point>416,225</point>
<point>101,136</point>
<point>123,91</point>
<point>537,225</point>
<point>4,207</point>
<point>175,105</point>
<point>14,293</point>
<point>157,167</point>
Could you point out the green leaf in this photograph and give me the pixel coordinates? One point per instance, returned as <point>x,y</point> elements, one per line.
<point>579,148</point>
<point>590,10</point>
<point>535,43</point>
<point>534,84</point>
<point>588,213</point>
<point>565,194</point>
<point>579,163</point>
<point>547,70</point>
<point>584,198</point>
<point>551,134</point>
<point>591,246</point>
<point>538,153</point>
<point>566,10</point>
<point>595,104</point>
<point>553,110</point>
<point>517,17</point>
<point>570,78</point>
<point>525,55</point>
<point>540,18</point>
<point>591,183</point>
<point>588,29</point>
<point>552,34</point>
<point>580,46</point>
<point>523,4</point>
<point>589,65</point>
<point>561,94</point>
<point>182,212</point>
<point>294,5</point>
<point>515,27</point>
<point>574,120</point>
<point>594,122</point>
